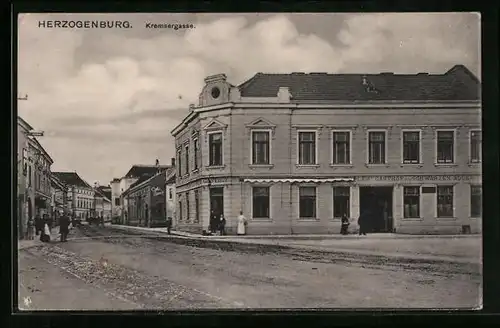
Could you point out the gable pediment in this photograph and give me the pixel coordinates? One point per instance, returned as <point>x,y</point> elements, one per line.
<point>261,123</point>
<point>214,124</point>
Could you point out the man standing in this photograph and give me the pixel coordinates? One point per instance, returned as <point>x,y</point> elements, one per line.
<point>64,227</point>
<point>169,224</point>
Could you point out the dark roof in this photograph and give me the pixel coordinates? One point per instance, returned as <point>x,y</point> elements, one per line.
<point>104,191</point>
<point>137,171</point>
<point>71,178</point>
<point>456,84</point>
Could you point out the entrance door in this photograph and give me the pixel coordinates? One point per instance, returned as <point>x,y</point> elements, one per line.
<point>217,200</point>
<point>377,201</point>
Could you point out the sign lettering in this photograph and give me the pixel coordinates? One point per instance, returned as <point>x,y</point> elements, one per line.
<point>416,178</point>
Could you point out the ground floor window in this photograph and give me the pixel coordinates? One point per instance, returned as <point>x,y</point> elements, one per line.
<point>445,201</point>
<point>307,202</point>
<point>476,201</point>
<point>341,202</point>
<point>260,203</point>
<point>411,201</point>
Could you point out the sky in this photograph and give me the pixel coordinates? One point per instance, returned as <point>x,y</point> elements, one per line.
<point>107,99</point>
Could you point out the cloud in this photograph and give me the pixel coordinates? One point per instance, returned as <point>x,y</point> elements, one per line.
<point>115,95</point>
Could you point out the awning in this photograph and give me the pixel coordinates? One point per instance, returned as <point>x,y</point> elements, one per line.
<point>312,180</point>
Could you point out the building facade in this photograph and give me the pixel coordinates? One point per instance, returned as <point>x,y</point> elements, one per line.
<point>119,186</point>
<point>146,201</point>
<point>80,195</point>
<point>295,152</point>
<point>170,195</point>
<point>59,193</point>
<point>25,192</point>
<point>40,178</point>
<point>102,202</point>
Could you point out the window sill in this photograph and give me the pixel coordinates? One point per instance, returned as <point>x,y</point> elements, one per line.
<point>377,165</point>
<point>475,217</point>
<point>308,219</point>
<point>474,164</point>
<point>341,165</point>
<point>261,220</point>
<point>261,166</point>
<point>307,166</point>
<point>215,167</point>
<point>412,219</point>
<point>445,164</point>
<point>448,218</point>
<point>419,165</point>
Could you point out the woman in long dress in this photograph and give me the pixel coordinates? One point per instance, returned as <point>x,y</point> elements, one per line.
<point>242,223</point>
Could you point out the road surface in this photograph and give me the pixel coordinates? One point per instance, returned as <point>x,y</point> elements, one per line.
<point>105,270</point>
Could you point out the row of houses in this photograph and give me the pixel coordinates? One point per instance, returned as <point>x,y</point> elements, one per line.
<point>296,152</point>
<point>145,195</point>
<point>41,192</point>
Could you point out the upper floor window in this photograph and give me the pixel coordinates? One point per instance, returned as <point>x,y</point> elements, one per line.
<point>376,147</point>
<point>341,147</point>
<point>260,147</point>
<point>179,163</point>
<point>307,147</point>
<point>197,206</point>
<point>188,214</point>
<point>117,201</point>
<point>475,146</point>
<point>186,154</point>
<point>411,147</point>
<point>170,194</point>
<point>196,148</point>
<point>215,148</point>
<point>445,144</point>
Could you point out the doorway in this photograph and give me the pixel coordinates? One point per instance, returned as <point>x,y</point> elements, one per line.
<point>217,200</point>
<point>377,201</point>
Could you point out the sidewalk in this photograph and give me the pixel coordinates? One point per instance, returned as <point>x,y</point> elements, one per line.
<point>456,249</point>
<point>24,243</point>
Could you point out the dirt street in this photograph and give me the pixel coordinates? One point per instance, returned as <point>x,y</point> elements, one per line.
<point>134,272</point>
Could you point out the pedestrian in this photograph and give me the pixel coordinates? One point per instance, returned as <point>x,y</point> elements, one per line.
<point>48,220</point>
<point>31,228</point>
<point>45,234</point>
<point>64,223</point>
<point>242,224</point>
<point>363,222</point>
<point>169,224</point>
<point>222,225</point>
<point>344,224</point>
<point>213,222</point>
<point>38,224</point>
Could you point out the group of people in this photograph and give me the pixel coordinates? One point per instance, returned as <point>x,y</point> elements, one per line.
<point>42,226</point>
<point>363,222</point>
<point>218,224</point>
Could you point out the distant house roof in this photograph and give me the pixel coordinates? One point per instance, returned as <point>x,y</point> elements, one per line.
<point>72,179</point>
<point>42,150</point>
<point>104,191</point>
<point>56,182</point>
<point>456,84</point>
<point>138,171</point>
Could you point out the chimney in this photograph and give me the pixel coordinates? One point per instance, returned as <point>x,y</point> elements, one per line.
<point>191,107</point>
<point>284,95</point>
<point>157,163</point>
<point>173,161</point>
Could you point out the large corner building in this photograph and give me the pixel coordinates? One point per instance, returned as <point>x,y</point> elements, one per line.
<point>297,151</point>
